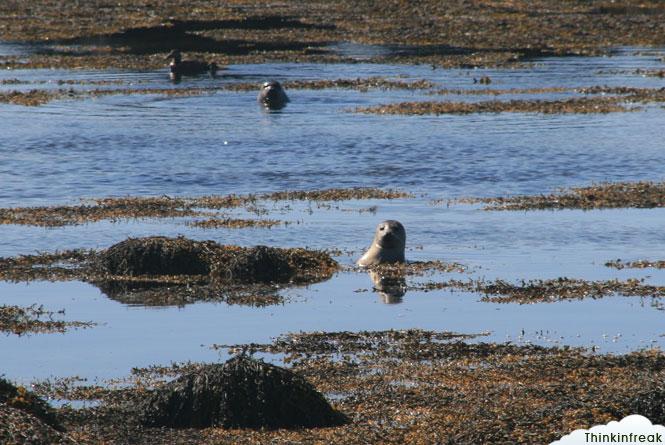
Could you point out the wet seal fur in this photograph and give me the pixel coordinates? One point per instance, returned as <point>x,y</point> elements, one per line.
<point>387,246</point>
<point>272,95</point>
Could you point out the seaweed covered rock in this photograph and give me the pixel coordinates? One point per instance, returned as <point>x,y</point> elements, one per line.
<point>170,257</point>
<point>156,255</point>
<point>18,397</point>
<point>241,393</point>
<point>650,403</point>
<point>20,427</point>
<point>262,264</point>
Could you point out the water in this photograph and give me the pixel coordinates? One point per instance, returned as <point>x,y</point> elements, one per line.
<point>224,143</point>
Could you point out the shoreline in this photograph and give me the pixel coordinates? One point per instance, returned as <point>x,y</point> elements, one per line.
<point>457,34</point>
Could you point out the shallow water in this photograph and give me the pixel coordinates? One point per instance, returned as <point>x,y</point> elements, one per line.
<point>224,143</point>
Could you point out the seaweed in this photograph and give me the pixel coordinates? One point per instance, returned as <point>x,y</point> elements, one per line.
<point>19,397</point>
<point>122,208</point>
<point>135,34</point>
<point>241,393</point>
<point>23,320</point>
<point>393,387</point>
<point>642,194</point>
<point>176,271</point>
<point>156,256</point>
<point>639,264</point>
<point>573,105</point>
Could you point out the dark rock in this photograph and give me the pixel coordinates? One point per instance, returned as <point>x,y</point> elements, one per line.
<point>156,256</point>
<point>649,403</point>
<point>259,264</point>
<point>241,393</point>
<point>172,261</point>
<point>22,428</point>
<point>263,264</point>
<point>18,397</point>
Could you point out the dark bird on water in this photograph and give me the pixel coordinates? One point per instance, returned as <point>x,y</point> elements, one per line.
<point>272,95</point>
<point>181,67</point>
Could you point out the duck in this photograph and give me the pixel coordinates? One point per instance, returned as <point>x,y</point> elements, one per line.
<point>181,67</point>
<point>272,95</point>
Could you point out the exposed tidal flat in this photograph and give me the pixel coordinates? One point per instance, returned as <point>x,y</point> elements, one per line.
<point>529,183</point>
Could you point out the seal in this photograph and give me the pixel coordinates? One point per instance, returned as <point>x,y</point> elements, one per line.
<point>272,95</point>
<point>179,67</point>
<point>387,246</point>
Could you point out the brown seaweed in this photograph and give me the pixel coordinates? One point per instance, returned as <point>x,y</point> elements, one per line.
<point>241,393</point>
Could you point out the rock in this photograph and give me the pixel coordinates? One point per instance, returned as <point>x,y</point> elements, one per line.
<point>156,255</point>
<point>161,256</point>
<point>263,264</point>
<point>650,403</point>
<point>260,264</point>
<point>18,397</point>
<point>18,427</point>
<point>241,393</point>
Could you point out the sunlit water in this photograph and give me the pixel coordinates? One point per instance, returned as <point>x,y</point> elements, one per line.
<point>224,143</point>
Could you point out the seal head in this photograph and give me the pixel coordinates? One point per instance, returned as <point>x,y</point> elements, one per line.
<point>387,246</point>
<point>179,67</point>
<point>272,95</point>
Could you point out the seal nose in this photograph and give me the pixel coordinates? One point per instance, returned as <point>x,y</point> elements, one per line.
<point>388,239</point>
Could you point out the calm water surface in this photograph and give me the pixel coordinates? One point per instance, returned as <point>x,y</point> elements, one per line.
<point>224,143</point>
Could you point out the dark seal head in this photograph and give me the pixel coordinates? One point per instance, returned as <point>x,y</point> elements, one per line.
<point>175,56</point>
<point>387,246</point>
<point>179,67</point>
<point>272,95</point>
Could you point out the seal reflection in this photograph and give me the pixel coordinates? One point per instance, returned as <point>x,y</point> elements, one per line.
<point>391,289</point>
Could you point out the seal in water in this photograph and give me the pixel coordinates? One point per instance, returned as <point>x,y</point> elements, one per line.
<point>181,67</point>
<point>387,246</point>
<point>272,95</point>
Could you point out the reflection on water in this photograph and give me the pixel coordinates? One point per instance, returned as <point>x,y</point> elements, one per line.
<point>390,289</point>
<point>224,142</point>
